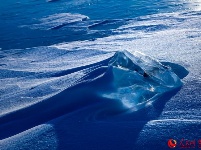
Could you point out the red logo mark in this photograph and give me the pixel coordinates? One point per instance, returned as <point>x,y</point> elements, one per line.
<point>172,143</point>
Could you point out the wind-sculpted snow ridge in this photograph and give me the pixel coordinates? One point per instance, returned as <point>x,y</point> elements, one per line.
<point>68,21</point>
<point>57,21</point>
<point>74,80</point>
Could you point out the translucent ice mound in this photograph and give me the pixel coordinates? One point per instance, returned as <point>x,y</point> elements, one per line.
<point>138,79</point>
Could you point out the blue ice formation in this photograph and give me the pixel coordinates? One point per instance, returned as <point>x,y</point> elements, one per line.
<point>138,79</point>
